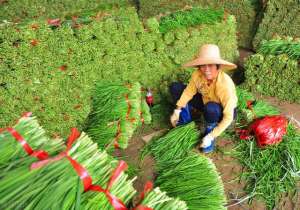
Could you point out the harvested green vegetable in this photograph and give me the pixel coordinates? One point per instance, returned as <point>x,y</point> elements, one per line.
<point>158,200</point>
<point>273,170</point>
<point>193,179</point>
<point>22,188</point>
<point>176,144</point>
<point>117,111</point>
<point>12,152</point>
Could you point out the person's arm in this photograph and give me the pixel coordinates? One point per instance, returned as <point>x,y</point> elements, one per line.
<point>187,94</point>
<point>228,100</point>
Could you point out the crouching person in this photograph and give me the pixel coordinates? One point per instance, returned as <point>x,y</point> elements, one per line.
<point>211,90</point>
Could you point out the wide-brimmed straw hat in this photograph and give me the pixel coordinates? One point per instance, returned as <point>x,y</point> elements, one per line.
<point>210,54</point>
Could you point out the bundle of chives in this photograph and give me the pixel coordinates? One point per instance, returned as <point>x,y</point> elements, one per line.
<point>26,138</point>
<point>116,114</point>
<point>174,145</point>
<point>193,179</point>
<point>279,46</point>
<point>158,200</point>
<point>145,112</point>
<point>250,108</point>
<point>259,109</point>
<point>58,177</point>
<point>243,97</point>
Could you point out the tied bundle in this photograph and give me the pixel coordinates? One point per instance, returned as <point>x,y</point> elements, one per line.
<point>193,179</point>
<point>65,181</point>
<point>117,111</point>
<point>156,199</point>
<point>25,139</point>
<point>250,109</point>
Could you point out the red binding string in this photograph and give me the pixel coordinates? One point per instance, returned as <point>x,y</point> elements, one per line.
<point>40,154</point>
<point>114,201</point>
<point>129,106</point>
<point>142,118</point>
<point>147,188</point>
<point>83,173</point>
<point>118,135</point>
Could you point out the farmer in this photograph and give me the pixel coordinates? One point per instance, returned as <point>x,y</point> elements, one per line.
<point>210,90</point>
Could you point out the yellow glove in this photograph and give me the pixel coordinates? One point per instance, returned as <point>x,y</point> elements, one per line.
<point>175,117</point>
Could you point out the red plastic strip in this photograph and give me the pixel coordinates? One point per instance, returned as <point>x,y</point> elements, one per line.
<point>141,207</point>
<point>114,201</point>
<point>122,166</point>
<point>129,106</point>
<point>118,135</point>
<point>21,140</point>
<point>82,173</point>
<point>40,154</point>
<point>147,188</point>
<point>72,137</point>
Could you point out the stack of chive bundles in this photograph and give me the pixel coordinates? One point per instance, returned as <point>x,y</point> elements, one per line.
<point>117,111</point>
<point>158,200</point>
<point>12,152</point>
<point>193,179</point>
<point>275,72</point>
<point>56,185</point>
<point>188,176</point>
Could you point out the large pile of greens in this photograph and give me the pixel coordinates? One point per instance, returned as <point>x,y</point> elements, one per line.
<point>24,10</point>
<point>273,75</point>
<point>280,17</point>
<point>51,70</point>
<point>244,11</point>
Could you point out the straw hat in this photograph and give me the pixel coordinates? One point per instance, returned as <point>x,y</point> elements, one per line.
<point>210,54</point>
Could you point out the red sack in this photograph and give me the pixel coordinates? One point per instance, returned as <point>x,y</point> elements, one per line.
<point>269,130</point>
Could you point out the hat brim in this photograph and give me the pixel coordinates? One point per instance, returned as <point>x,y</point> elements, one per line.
<point>225,65</point>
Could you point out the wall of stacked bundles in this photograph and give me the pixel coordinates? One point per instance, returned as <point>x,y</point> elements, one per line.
<point>274,70</point>
<point>51,71</point>
<point>244,11</point>
<point>23,10</point>
<point>279,18</point>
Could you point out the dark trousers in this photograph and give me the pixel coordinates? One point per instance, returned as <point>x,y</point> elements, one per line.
<point>213,112</point>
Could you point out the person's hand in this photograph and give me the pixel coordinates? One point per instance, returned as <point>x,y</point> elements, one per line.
<point>175,117</point>
<point>207,140</point>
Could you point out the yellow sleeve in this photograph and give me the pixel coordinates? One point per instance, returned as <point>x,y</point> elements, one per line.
<point>188,93</point>
<point>228,100</point>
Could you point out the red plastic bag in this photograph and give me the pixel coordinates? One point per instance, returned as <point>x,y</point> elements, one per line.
<point>269,130</point>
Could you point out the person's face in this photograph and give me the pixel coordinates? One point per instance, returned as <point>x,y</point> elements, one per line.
<point>210,71</point>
